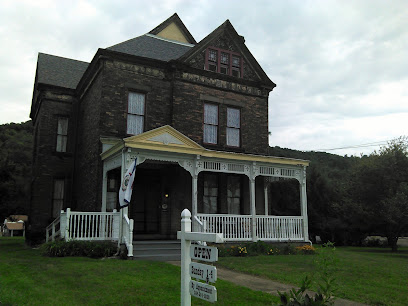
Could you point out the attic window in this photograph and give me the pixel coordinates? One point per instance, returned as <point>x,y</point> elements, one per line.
<point>223,61</point>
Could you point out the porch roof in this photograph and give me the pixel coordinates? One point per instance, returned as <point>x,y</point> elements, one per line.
<point>168,139</point>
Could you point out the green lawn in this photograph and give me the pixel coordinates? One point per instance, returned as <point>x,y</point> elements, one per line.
<point>370,275</point>
<point>27,278</point>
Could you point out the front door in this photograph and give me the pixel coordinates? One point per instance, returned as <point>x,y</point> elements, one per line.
<point>145,203</point>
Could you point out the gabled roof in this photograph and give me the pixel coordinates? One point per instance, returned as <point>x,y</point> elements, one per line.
<point>167,24</point>
<point>59,71</point>
<point>227,29</point>
<point>153,47</point>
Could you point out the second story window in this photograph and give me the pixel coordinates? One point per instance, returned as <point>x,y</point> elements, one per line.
<point>224,61</point>
<point>233,127</point>
<point>62,134</point>
<point>136,113</point>
<point>210,123</point>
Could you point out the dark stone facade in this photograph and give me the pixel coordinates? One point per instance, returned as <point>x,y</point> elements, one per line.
<point>175,95</point>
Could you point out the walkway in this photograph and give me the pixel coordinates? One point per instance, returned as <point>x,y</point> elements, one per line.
<point>263,284</point>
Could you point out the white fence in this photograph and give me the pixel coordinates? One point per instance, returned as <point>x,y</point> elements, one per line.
<point>238,227</point>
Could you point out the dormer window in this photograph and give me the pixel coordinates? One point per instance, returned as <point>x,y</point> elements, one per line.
<point>223,61</point>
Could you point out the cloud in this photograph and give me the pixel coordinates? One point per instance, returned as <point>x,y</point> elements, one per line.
<point>339,66</point>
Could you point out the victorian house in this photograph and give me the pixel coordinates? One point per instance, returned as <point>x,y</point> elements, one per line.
<point>194,115</point>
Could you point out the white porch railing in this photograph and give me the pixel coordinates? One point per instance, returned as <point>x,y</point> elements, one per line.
<point>279,228</point>
<point>78,225</point>
<point>53,231</point>
<point>93,225</point>
<point>238,227</point>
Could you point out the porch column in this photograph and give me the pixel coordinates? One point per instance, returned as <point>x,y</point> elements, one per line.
<point>303,205</point>
<point>194,195</point>
<point>104,188</point>
<point>253,211</point>
<point>266,182</point>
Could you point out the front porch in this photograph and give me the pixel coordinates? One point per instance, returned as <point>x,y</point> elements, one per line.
<point>174,173</point>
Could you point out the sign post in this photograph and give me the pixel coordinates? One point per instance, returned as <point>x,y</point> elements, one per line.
<point>196,270</point>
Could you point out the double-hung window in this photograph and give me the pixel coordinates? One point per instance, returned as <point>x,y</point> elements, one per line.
<point>210,197</point>
<point>210,123</point>
<point>62,134</point>
<point>233,127</point>
<point>136,113</point>
<point>58,197</point>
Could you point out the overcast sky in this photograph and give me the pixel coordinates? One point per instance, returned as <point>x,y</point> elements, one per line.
<point>341,67</point>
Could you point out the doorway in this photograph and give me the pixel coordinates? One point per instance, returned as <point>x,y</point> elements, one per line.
<point>145,204</point>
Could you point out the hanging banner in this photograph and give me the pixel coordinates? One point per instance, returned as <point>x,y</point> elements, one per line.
<point>126,187</point>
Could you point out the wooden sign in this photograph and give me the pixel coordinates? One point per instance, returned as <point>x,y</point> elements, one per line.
<point>203,291</point>
<point>204,253</point>
<point>204,272</point>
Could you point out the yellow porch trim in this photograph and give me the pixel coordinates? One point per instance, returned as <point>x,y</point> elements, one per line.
<point>168,139</point>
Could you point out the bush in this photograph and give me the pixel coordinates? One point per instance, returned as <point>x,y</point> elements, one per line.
<point>305,250</point>
<point>375,242</point>
<point>263,248</point>
<point>91,249</point>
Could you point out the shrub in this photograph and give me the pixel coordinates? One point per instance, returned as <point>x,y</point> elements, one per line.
<point>305,250</point>
<point>256,248</point>
<point>91,249</point>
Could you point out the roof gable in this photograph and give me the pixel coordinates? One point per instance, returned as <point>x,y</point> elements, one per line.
<point>165,136</point>
<point>225,37</point>
<point>174,29</point>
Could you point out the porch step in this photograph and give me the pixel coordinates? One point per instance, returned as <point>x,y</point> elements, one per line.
<point>161,250</point>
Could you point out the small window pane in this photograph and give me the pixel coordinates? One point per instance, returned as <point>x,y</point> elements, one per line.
<point>212,55</point>
<point>224,69</point>
<point>235,61</point>
<point>210,133</point>
<point>233,117</point>
<point>62,126</point>
<point>61,143</point>
<point>136,103</point>
<point>135,124</point>
<point>211,114</point>
<point>225,58</point>
<point>232,137</point>
<point>236,72</point>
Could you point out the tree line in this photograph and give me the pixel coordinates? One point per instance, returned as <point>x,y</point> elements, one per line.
<point>350,198</point>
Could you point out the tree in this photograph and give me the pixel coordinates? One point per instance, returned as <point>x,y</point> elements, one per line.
<point>380,187</point>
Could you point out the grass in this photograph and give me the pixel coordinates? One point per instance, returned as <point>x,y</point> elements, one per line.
<point>27,278</point>
<point>374,276</point>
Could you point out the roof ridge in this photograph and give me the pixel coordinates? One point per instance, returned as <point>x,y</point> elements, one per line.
<point>63,57</point>
<point>169,40</point>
